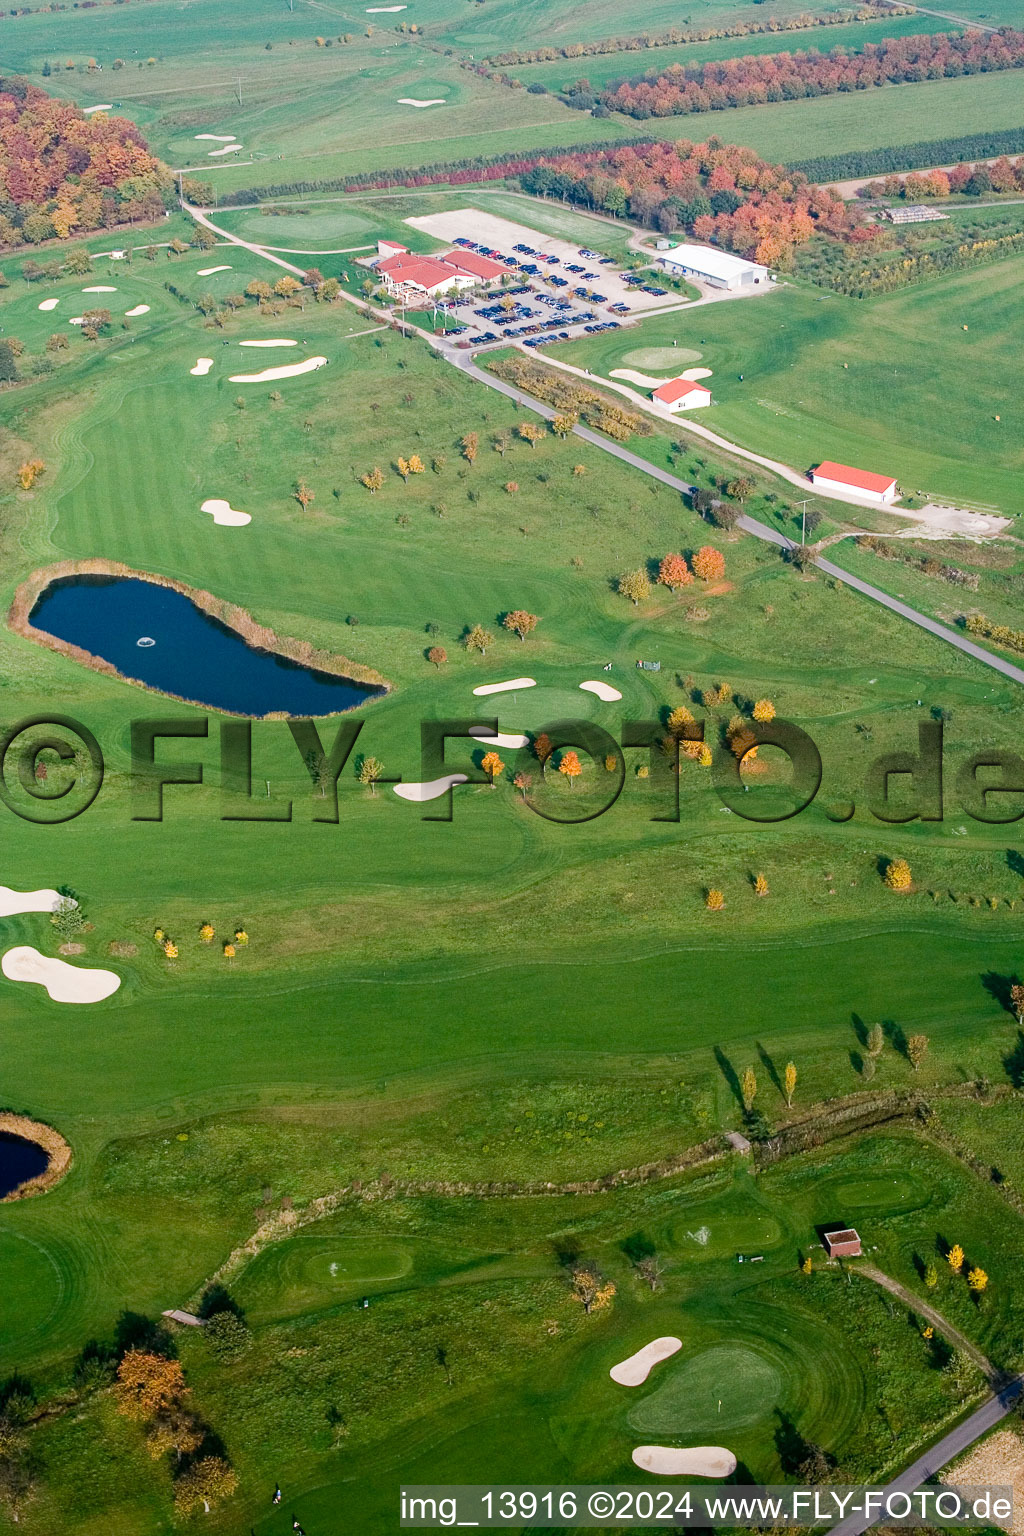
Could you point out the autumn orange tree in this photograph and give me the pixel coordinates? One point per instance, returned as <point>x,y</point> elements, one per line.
<point>634,585</point>
<point>29,473</point>
<point>205,1483</point>
<point>709,563</point>
<point>303,495</point>
<point>674,573</point>
<point>571,767</point>
<point>897,875</point>
<point>511,487</point>
<point>590,1288</point>
<point>531,433</point>
<point>470,447</point>
<point>373,479</point>
<point>148,1384</point>
<point>763,711</point>
<point>478,639</point>
<point>563,423</point>
<point>437,655</point>
<point>520,623</point>
<point>542,748</point>
<point>493,766</point>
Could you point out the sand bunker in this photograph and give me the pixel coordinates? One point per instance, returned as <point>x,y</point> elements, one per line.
<point>496,739</point>
<point>140,309</point>
<point>49,304</point>
<point>209,271</point>
<point>414,101</point>
<point>228,149</point>
<point>77,320</point>
<point>696,1461</point>
<point>224,513</point>
<point>517,682</point>
<point>12,902</point>
<point>432,790</point>
<point>631,374</point>
<point>285,371</point>
<point>101,289</point>
<point>104,106</point>
<point>635,1371</point>
<point>697,373</point>
<point>202,367</point>
<point>378,10</point>
<point>279,341</point>
<point>219,138</point>
<point>603,690</point>
<point>65,983</point>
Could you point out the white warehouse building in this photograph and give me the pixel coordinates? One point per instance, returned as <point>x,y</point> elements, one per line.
<point>720,269</point>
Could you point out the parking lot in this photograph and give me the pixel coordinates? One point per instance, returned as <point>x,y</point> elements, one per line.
<point>561,290</point>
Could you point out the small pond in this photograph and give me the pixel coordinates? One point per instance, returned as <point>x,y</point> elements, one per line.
<point>187,653</point>
<point>20,1160</point>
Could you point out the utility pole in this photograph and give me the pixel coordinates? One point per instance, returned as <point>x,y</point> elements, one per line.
<point>803,526</point>
<point>239,90</point>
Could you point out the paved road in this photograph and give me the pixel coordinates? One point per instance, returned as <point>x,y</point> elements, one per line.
<point>944,1451</point>
<point>463,361</point>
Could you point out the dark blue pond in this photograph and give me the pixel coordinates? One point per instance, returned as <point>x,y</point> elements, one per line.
<point>20,1160</point>
<point>186,652</point>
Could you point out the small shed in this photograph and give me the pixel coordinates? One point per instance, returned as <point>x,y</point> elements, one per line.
<point>844,1243</point>
<point>184,1319</point>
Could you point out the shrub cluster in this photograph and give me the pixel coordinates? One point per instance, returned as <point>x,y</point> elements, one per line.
<point>566,394</point>
<point>926,564</point>
<point>897,157</point>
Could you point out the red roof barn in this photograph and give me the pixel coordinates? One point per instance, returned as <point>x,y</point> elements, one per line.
<point>863,481</point>
<point>682,394</point>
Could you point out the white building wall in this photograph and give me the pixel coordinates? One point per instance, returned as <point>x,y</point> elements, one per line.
<point>882,497</point>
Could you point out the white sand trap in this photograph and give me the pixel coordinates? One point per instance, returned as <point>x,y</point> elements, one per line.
<point>99,290</point>
<point>104,106</point>
<point>697,373</point>
<point>64,983</point>
<point>414,101</point>
<point>12,902</point>
<point>209,271</point>
<point>202,367</point>
<point>285,371</point>
<point>217,138</point>
<point>432,790</point>
<point>224,513</point>
<point>77,320</point>
<point>696,1461</point>
<point>496,739</point>
<point>380,10</point>
<point>635,1371</point>
<point>644,379</point>
<point>49,304</point>
<point>603,690</point>
<point>227,149</point>
<point>279,341</point>
<point>517,682</point>
<point>140,309</point>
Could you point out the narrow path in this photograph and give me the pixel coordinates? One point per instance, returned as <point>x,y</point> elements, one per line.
<point>941,1453</point>
<point>952,1335</point>
<point>749,524</point>
<point>960,21</point>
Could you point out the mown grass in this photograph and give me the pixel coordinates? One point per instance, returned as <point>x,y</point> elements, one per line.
<point>472,1353</point>
<point>803,374</point>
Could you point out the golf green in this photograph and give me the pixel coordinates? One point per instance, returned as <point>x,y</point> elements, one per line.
<point>728,1387</point>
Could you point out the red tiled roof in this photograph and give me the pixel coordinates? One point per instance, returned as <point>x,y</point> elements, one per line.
<point>476,266</point>
<point>421,270</point>
<point>856,479</point>
<point>678,389</point>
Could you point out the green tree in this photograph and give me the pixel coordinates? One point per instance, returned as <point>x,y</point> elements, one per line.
<point>371,771</point>
<point>634,585</point>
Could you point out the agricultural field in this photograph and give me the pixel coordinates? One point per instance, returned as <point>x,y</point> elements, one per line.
<point>601,69</point>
